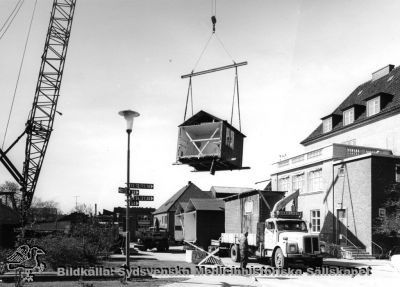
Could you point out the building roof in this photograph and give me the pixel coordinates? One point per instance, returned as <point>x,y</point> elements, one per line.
<point>229,189</point>
<point>265,193</point>
<point>171,202</point>
<point>51,226</point>
<point>204,117</point>
<point>387,86</point>
<point>205,204</point>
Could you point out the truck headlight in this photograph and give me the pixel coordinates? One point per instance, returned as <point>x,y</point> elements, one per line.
<point>292,248</point>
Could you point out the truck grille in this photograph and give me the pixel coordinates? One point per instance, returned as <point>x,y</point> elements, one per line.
<point>311,244</point>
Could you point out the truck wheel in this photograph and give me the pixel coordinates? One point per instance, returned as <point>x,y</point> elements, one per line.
<point>235,255</point>
<point>279,259</point>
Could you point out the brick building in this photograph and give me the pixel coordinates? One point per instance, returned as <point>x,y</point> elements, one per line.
<point>349,160</point>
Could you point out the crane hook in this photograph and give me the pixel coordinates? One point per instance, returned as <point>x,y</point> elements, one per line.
<point>214,21</point>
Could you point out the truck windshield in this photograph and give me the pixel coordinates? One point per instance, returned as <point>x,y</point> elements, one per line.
<point>291,225</point>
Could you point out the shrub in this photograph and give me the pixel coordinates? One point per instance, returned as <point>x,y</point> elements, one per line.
<point>60,250</point>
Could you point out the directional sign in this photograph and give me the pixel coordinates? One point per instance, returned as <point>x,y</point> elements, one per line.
<point>131,191</point>
<point>144,198</point>
<point>133,202</point>
<point>141,185</point>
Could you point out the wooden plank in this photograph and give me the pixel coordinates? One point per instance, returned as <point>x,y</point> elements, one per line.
<point>213,70</point>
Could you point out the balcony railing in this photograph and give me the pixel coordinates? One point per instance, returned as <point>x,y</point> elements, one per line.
<point>334,151</point>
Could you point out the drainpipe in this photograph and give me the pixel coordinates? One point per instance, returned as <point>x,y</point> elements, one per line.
<point>333,205</point>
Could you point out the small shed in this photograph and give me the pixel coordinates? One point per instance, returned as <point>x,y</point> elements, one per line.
<point>248,211</point>
<point>179,218</point>
<point>208,143</point>
<point>203,221</point>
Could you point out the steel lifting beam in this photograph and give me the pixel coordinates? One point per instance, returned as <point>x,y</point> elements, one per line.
<point>213,70</point>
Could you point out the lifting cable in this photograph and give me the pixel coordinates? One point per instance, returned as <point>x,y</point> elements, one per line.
<point>189,93</point>
<point>236,93</point>
<point>236,82</point>
<point>19,73</point>
<point>10,18</point>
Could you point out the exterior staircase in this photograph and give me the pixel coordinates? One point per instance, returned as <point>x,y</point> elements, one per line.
<point>351,252</point>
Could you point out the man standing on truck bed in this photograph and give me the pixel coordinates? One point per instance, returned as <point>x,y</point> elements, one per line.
<point>244,247</point>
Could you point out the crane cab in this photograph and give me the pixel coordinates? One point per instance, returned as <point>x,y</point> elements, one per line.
<point>208,143</point>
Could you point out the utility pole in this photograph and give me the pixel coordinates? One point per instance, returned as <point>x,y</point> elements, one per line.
<point>76,201</point>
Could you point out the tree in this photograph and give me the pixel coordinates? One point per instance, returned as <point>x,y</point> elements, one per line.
<point>389,223</point>
<point>41,211</point>
<point>83,208</point>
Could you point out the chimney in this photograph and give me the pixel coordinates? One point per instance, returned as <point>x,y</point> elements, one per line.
<point>189,182</point>
<point>382,72</point>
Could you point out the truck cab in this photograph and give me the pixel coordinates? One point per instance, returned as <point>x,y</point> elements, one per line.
<point>286,240</point>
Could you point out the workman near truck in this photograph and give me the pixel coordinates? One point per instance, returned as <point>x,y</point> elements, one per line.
<point>244,250</point>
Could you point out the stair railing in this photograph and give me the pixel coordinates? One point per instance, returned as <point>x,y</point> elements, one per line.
<point>380,247</point>
<point>348,240</point>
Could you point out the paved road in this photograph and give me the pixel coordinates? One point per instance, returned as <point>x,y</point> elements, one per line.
<point>382,273</point>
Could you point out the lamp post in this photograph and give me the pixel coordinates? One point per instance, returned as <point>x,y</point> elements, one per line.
<point>128,115</point>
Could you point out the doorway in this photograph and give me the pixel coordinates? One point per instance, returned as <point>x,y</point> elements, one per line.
<point>341,227</point>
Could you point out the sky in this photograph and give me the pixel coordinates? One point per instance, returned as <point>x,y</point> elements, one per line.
<point>304,58</point>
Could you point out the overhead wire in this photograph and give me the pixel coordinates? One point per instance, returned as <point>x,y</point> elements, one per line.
<point>7,23</point>
<point>19,73</point>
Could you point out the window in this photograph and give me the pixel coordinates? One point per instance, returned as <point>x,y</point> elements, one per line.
<point>270,225</point>
<point>373,106</point>
<point>248,206</point>
<point>230,138</point>
<point>298,182</point>
<point>348,116</point>
<point>382,212</point>
<point>283,184</point>
<point>327,125</point>
<point>315,180</point>
<point>397,172</point>
<point>315,220</point>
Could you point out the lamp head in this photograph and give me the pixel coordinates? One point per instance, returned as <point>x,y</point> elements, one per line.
<point>129,115</point>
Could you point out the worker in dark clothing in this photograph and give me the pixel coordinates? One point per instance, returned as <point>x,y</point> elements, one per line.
<point>244,250</point>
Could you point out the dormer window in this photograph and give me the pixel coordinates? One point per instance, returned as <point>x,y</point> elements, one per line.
<point>348,116</point>
<point>327,124</point>
<point>373,106</point>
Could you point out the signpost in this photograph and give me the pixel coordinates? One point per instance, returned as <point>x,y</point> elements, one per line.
<point>141,185</point>
<point>131,191</point>
<point>134,191</point>
<point>143,198</point>
<point>133,202</point>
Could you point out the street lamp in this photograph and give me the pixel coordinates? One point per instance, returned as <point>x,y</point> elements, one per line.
<point>128,115</point>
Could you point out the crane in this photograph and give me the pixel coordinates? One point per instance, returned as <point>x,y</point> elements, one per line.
<point>39,125</point>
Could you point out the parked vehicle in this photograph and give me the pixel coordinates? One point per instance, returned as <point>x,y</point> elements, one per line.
<point>153,238</point>
<point>394,257</point>
<point>282,238</point>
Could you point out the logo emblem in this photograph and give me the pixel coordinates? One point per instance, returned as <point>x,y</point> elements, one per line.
<point>26,259</point>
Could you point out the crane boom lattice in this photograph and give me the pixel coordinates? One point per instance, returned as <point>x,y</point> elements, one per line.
<point>41,118</point>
